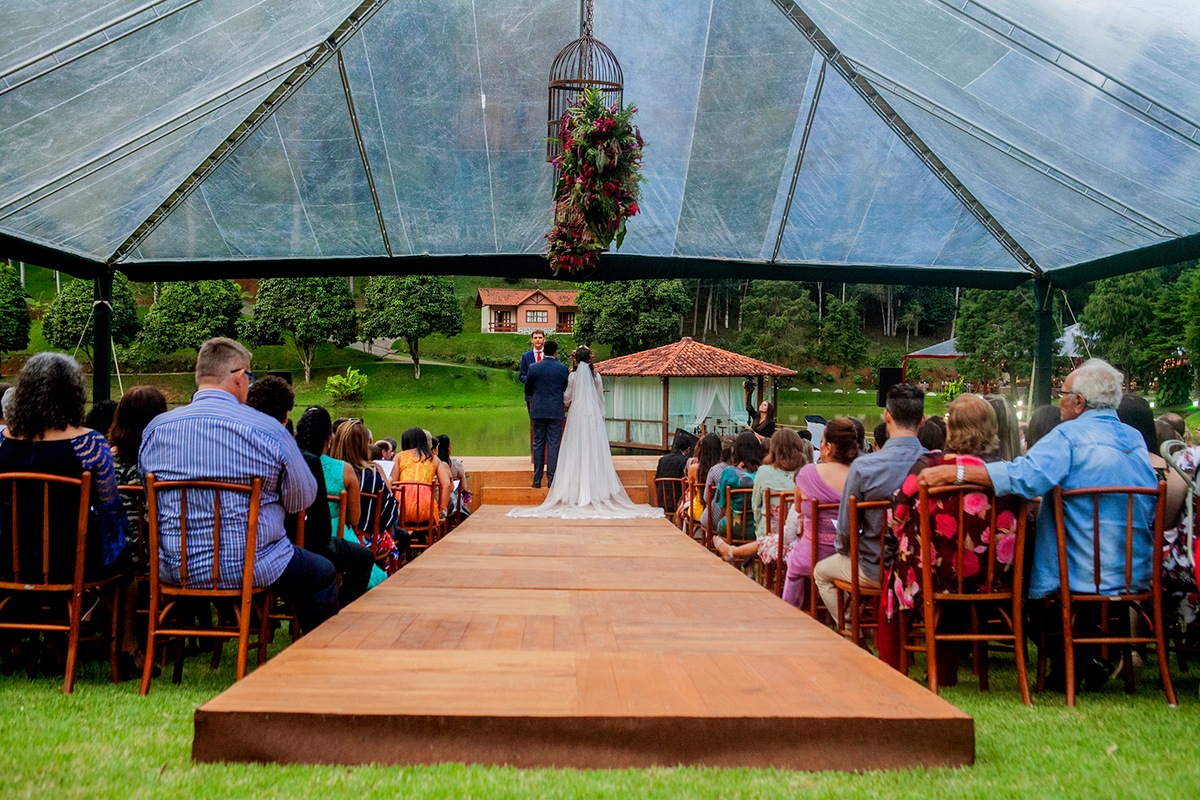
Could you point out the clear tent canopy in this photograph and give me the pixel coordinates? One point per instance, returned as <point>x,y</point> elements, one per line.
<point>955,142</point>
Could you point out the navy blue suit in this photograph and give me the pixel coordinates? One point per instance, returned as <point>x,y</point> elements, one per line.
<point>528,359</point>
<point>544,387</point>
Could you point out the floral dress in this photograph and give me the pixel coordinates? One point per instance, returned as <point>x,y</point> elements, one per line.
<point>902,535</point>
<point>1181,601</point>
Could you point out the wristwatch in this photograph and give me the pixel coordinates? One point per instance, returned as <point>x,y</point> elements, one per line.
<point>959,474</point>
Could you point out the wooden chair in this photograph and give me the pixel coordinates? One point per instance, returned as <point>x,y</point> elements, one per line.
<point>706,531</point>
<point>668,492</point>
<point>1113,608</point>
<point>994,597</point>
<point>737,523</point>
<point>778,505</point>
<point>34,579</point>
<point>166,598</point>
<point>864,601</point>
<point>419,512</point>
<point>818,510</point>
<point>138,494</point>
<point>372,528</point>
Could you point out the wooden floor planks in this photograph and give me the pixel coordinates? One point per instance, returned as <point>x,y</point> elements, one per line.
<point>585,644</point>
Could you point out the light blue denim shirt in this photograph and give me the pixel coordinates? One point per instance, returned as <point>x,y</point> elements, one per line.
<point>1095,449</point>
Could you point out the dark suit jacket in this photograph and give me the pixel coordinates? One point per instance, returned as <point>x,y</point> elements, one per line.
<point>544,387</point>
<point>527,361</point>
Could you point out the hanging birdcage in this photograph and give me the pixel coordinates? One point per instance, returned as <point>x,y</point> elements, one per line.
<point>585,63</point>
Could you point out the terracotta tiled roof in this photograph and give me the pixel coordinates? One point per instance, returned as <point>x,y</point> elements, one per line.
<point>561,298</point>
<point>689,359</point>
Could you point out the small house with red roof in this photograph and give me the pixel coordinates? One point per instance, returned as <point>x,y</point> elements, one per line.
<point>687,385</point>
<point>526,310</point>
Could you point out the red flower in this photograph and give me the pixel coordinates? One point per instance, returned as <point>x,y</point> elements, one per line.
<point>632,209</point>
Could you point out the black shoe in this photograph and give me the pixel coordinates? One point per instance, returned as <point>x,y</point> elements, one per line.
<point>537,484</point>
<point>1096,673</point>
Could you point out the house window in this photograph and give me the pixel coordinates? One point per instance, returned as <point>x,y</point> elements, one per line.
<point>537,316</point>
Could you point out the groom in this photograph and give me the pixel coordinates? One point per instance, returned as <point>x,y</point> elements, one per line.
<point>544,387</point>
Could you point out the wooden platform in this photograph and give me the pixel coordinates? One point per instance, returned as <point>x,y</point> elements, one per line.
<point>605,644</point>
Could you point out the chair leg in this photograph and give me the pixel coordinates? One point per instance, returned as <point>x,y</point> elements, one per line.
<point>930,642</point>
<point>1161,652</point>
<point>75,610</point>
<point>114,632</point>
<point>1068,650</point>
<point>243,651</point>
<point>177,673</point>
<point>1019,654</point>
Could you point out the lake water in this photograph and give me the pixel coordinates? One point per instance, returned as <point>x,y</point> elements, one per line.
<point>504,431</point>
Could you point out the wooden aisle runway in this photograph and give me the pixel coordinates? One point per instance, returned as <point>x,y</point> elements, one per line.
<point>594,643</point>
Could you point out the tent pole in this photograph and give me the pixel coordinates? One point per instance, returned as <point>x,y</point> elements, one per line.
<point>1046,335</point>
<point>102,341</point>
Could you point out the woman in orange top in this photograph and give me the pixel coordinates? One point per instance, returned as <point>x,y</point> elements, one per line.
<point>416,462</point>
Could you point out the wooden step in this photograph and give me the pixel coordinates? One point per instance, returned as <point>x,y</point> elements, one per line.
<point>528,496</point>
<point>524,477</point>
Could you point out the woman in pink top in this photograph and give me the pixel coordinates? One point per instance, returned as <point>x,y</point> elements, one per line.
<point>822,482</point>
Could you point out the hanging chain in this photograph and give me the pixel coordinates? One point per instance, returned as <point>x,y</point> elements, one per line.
<point>587,18</point>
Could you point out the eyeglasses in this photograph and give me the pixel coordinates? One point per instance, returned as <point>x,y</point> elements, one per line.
<point>1061,393</point>
<point>250,376</point>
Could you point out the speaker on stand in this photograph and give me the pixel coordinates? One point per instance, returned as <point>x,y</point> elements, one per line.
<point>888,377</point>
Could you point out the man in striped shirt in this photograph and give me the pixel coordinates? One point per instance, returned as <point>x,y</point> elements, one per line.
<point>218,437</point>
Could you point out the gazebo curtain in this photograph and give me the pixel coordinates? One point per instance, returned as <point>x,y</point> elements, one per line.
<point>634,399</point>
<point>692,401</point>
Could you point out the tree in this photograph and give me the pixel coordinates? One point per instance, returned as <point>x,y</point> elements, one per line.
<point>1118,317</point>
<point>995,332</point>
<point>14,311</point>
<point>779,323</point>
<point>411,307</point>
<point>631,315</point>
<point>842,340</point>
<point>187,313</point>
<point>69,320</point>
<point>312,310</point>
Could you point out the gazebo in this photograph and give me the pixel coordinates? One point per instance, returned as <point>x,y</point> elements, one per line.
<point>687,384</point>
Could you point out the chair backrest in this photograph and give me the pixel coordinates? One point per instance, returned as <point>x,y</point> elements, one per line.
<point>668,492</point>
<point>777,505</point>
<point>818,511</point>
<point>136,494</point>
<point>203,545</point>
<point>1109,499</point>
<point>34,538</point>
<point>856,513</point>
<point>369,523</point>
<point>738,520</point>
<point>340,499</point>
<point>418,506</point>
<point>1000,558</point>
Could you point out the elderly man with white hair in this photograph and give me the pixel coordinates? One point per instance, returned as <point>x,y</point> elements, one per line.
<point>1091,448</point>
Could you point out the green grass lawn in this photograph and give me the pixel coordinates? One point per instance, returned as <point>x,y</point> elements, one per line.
<point>106,741</point>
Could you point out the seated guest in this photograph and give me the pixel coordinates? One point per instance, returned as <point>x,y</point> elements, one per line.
<point>711,478</point>
<point>138,406</point>
<point>747,457</point>
<point>45,433</point>
<point>350,445</point>
<point>217,435</point>
<point>1008,426</point>
<point>787,454</point>
<point>708,455</point>
<point>824,483</point>
<point>100,417</point>
<point>4,387</point>
<point>860,431</point>
<point>874,476</point>
<point>1177,423</point>
<point>972,438</point>
<point>353,560</point>
<point>1091,448</point>
<point>880,435</point>
<point>416,462</point>
<point>459,496</point>
<point>1135,412</point>
<point>1041,421</point>
<point>386,452</point>
<point>673,465</point>
<point>932,434</point>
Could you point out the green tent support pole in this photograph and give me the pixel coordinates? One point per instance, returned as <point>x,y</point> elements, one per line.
<point>1047,334</point>
<point>102,337</point>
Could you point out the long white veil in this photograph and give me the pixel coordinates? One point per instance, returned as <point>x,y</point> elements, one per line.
<point>586,485</point>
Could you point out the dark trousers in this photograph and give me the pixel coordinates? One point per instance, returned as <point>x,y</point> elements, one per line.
<point>353,562</point>
<point>547,436</point>
<point>310,582</point>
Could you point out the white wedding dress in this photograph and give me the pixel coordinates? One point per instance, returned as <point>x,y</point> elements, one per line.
<point>586,485</point>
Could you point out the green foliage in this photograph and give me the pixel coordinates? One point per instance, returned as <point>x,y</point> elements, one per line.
<point>1119,318</point>
<point>190,312</point>
<point>499,362</point>
<point>1175,386</point>
<point>14,311</point>
<point>952,389</point>
<point>995,332</point>
<point>631,315</point>
<point>810,375</point>
<point>887,356</point>
<point>68,322</point>
<point>312,310</point>
<point>842,341</point>
<point>779,323</point>
<point>411,307</point>
<point>347,388</point>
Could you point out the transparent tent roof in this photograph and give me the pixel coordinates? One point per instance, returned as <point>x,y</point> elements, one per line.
<point>970,142</point>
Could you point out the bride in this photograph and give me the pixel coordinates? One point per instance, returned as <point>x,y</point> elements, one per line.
<point>586,485</point>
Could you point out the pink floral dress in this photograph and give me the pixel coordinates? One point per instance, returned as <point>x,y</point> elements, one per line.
<point>902,535</point>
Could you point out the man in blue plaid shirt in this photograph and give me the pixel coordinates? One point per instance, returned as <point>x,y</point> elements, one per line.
<point>218,437</point>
